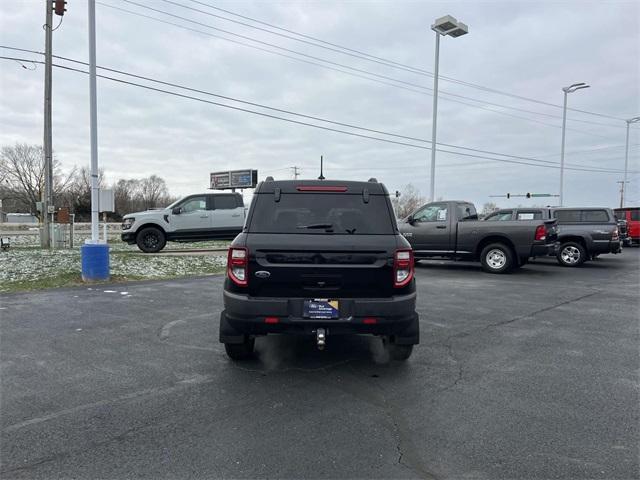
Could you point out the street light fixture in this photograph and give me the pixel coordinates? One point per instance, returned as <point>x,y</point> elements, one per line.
<point>626,158</point>
<point>566,90</point>
<point>446,25</point>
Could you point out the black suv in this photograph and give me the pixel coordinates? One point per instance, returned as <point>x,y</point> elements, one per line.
<point>320,257</point>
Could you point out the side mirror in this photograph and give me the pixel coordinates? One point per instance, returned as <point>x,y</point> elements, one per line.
<point>176,210</point>
<point>411,220</point>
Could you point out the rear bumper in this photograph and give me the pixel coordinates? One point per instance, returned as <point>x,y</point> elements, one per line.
<point>245,315</point>
<point>540,250</point>
<point>613,246</point>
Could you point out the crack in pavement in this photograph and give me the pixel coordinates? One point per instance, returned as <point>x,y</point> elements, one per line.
<point>90,446</point>
<point>448,342</point>
<point>149,392</point>
<point>542,310</point>
<point>381,401</point>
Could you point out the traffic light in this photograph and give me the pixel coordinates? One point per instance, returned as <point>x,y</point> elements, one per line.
<point>59,7</point>
<point>508,195</point>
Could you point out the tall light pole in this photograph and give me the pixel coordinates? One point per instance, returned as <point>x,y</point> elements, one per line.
<point>626,159</point>
<point>446,25</point>
<point>47,196</point>
<point>566,90</point>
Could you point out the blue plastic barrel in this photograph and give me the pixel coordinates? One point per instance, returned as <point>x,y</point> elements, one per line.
<point>95,261</point>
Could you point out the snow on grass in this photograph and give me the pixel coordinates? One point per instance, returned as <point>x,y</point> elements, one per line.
<point>32,268</point>
<point>33,240</point>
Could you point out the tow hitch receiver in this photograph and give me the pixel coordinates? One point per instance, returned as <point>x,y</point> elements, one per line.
<point>321,337</point>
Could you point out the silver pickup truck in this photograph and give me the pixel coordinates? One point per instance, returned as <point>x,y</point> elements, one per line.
<point>583,233</point>
<point>206,216</point>
<point>451,229</point>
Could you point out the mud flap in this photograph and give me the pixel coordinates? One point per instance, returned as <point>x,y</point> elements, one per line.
<point>228,334</point>
<point>410,335</point>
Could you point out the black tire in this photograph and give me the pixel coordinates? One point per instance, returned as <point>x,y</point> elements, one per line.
<point>571,254</point>
<point>497,258</point>
<point>151,240</point>
<point>240,351</point>
<point>397,352</point>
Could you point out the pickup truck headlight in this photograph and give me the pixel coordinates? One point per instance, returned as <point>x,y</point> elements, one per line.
<point>126,224</point>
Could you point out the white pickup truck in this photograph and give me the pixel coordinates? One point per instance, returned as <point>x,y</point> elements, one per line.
<point>207,216</point>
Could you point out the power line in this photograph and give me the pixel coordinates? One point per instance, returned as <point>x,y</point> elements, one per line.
<point>147,87</point>
<point>590,150</point>
<point>401,83</point>
<point>372,58</point>
<point>310,117</point>
<point>344,66</point>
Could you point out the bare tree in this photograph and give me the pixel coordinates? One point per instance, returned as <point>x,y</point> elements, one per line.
<point>408,202</point>
<point>22,176</point>
<point>79,191</point>
<point>488,207</point>
<point>154,191</point>
<point>128,195</point>
<point>23,171</point>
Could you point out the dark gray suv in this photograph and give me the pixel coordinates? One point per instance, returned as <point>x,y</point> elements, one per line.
<point>583,233</point>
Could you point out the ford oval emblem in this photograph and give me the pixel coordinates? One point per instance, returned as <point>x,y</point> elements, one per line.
<point>263,274</point>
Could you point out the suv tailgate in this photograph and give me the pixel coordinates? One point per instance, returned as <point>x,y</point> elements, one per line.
<point>303,265</point>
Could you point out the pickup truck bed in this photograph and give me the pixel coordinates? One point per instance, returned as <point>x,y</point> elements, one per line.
<point>451,230</point>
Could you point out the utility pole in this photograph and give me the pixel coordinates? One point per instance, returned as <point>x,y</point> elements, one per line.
<point>295,172</point>
<point>47,196</point>
<point>622,188</point>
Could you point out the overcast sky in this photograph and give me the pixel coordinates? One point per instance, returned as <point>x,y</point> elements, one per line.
<point>530,49</point>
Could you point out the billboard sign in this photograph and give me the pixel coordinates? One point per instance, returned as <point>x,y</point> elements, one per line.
<point>233,179</point>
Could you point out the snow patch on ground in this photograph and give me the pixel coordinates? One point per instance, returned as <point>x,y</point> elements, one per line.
<point>35,265</point>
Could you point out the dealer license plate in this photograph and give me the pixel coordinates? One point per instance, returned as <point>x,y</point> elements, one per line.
<point>321,308</point>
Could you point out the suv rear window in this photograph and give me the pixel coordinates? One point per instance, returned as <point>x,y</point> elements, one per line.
<point>320,214</point>
<point>582,216</point>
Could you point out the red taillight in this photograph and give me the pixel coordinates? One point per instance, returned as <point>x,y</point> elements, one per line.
<point>616,234</point>
<point>237,263</point>
<point>402,268</point>
<point>320,188</point>
<point>271,320</point>
<point>369,321</point>
<point>541,233</point>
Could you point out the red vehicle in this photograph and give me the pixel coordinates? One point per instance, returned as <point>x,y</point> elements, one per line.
<point>632,216</point>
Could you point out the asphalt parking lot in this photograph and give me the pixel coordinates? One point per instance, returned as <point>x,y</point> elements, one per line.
<point>529,375</point>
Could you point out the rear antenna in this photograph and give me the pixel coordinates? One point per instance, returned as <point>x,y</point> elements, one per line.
<point>321,177</point>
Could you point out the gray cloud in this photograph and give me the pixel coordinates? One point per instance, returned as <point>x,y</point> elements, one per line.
<point>527,48</point>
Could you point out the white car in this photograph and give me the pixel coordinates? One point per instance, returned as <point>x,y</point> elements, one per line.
<point>206,216</point>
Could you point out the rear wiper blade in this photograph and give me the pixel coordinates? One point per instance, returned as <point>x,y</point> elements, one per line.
<point>316,225</point>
